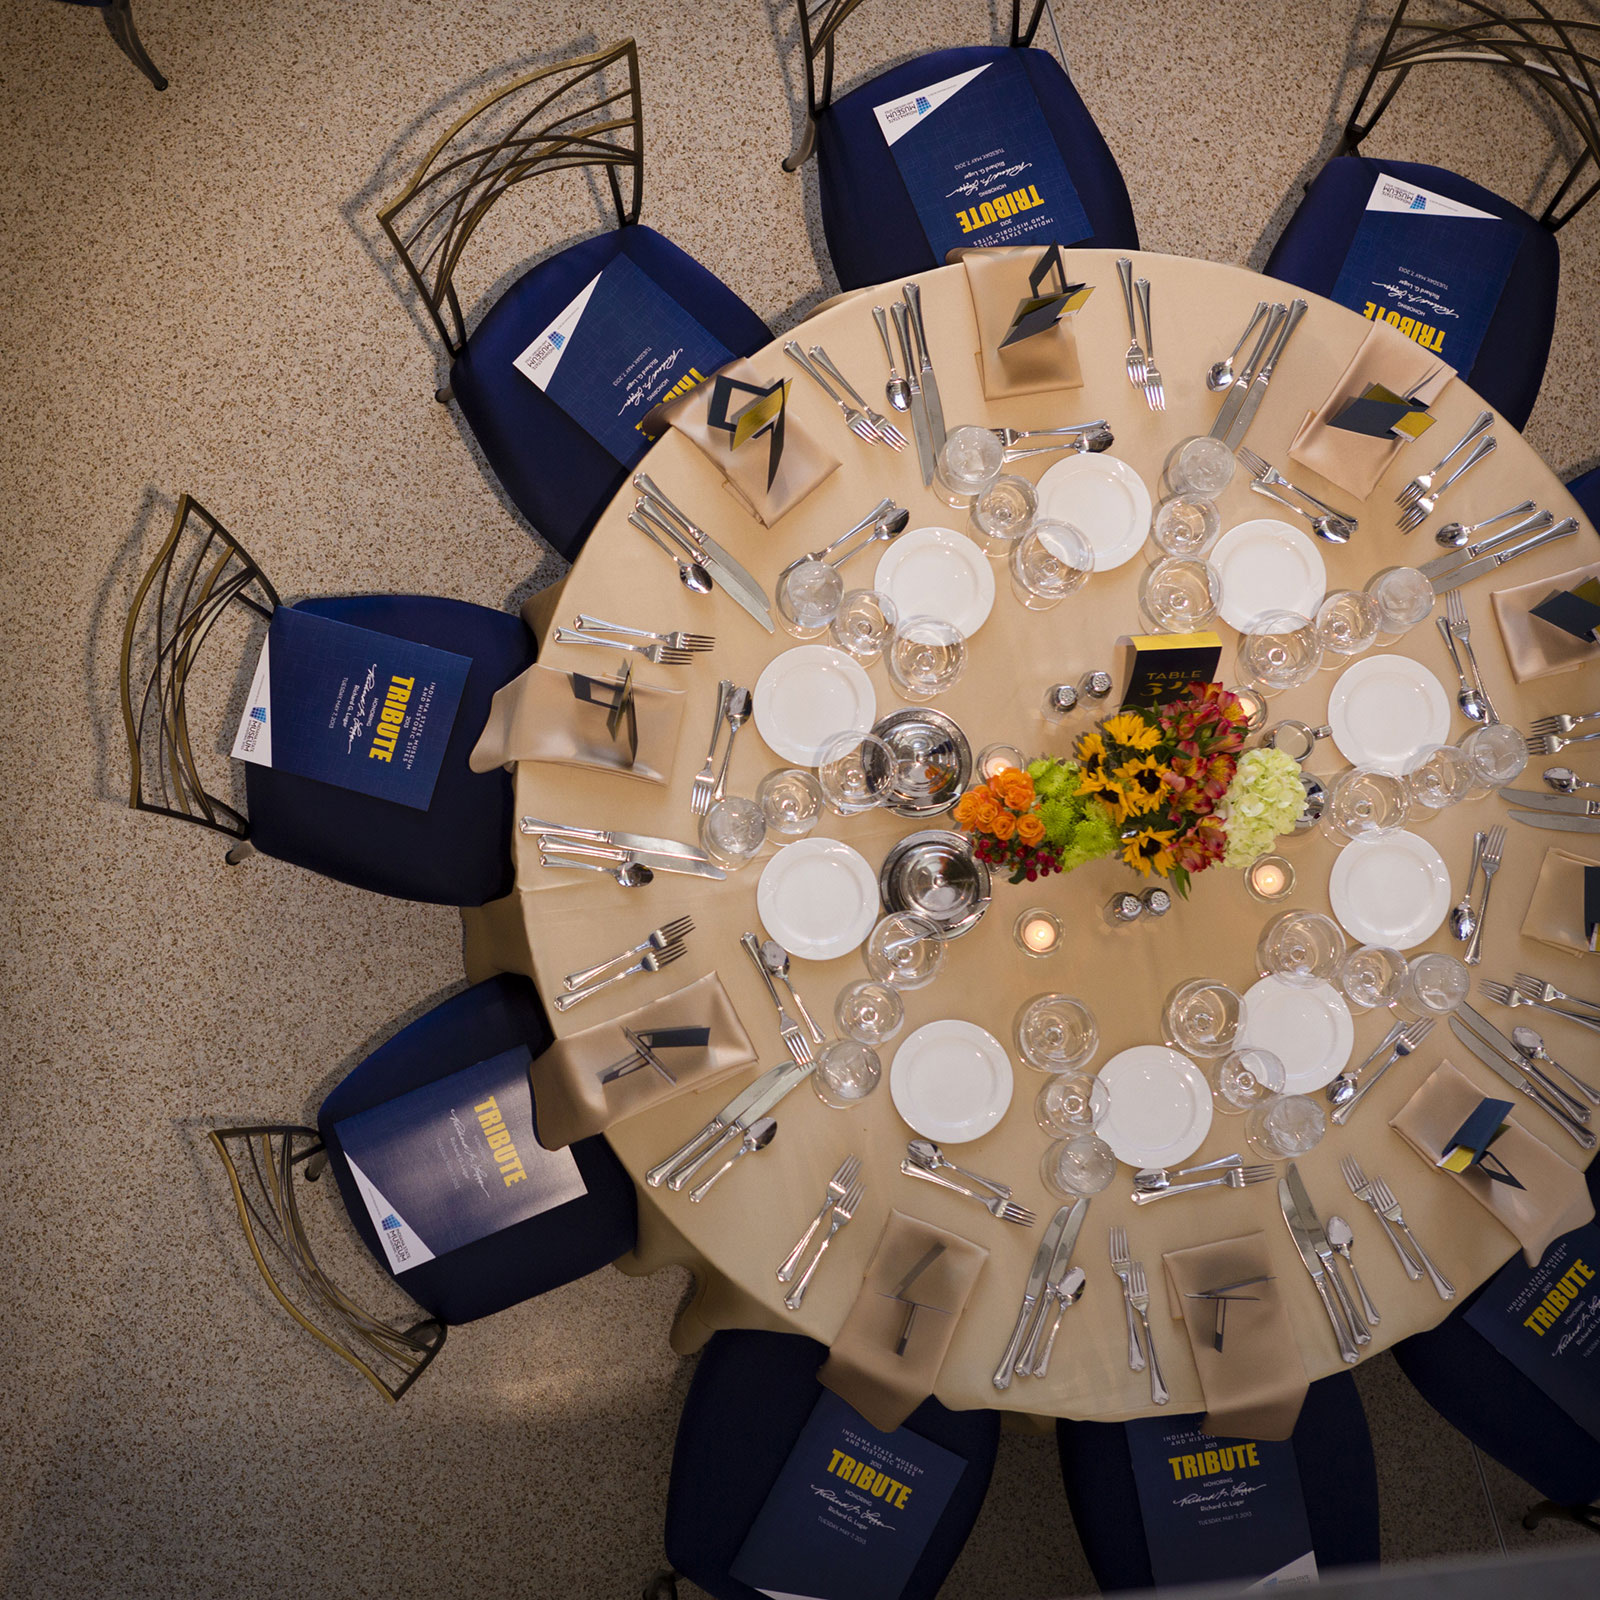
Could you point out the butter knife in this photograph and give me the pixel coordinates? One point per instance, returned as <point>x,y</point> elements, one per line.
<point>919,401</point>
<point>735,579</point>
<point>1258,387</point>
<point>1240,387</point>
<point>1037,1274</point>
<point>1493,1061</point>
<point>1476,569</point>
<point>930,381</point>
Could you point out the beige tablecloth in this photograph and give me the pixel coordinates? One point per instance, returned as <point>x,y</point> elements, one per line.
<point>557,920</point>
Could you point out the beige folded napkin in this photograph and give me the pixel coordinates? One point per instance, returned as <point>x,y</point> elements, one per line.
<point>1255,1386</point>
<point>540,717</point>
<point>1555,913</point>
<point>573,1103</point>
<point>805,463</point>
<point>1554,1198</point>
<point>863,1367</point>
<point>998,280</point>
<point>1536,648</point>
<point>1354,461</point>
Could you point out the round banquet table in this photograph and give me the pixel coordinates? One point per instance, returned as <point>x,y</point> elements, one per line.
<point>556,921</point>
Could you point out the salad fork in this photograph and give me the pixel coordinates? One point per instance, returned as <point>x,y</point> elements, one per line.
<point>795,1038</point>
<point>1539,989</point>
<point>1356,1181</point>
<point>1455,610</point>
<point>1420,485</point>
<point>857,423</point>
<point>1233,1178</point>
<point>1492,847</point>
<point>1383,1200</point>
<point>838,1187</point>
<point>1503,994</point>
<point>1548,744</point>
<point>1560,722</point>
<point>1139,1299</point>
<point>676,640</point>
<point>1134,360</point>
<point>842,1213</point>
<point>1155,396</point>
<point>705,780</point>
<point>1263,471</point>
<point>667,934</point>
<point>1118,1242</point>
<point>660,654</point>
<point>1425,505</point>
<point>996,1205</point>
<point>652,961</point>
<point>886,430</point>
<point>1409,1041</point>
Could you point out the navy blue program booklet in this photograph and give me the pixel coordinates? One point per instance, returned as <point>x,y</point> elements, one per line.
<point>1546,1323</point>
<point>1430,266</point>
<point>351,707</point>
<point>623,346</point>
<point>980,163</point>
<point>455,1161</point>
<point>851,1511</point>
<point>1216,1509</point>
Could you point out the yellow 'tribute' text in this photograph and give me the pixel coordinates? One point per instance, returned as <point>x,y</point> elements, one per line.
<point>500,1144</point>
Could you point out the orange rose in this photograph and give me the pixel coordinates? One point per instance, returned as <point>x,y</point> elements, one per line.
<point>1016,789</point>
<point>1003,826</point>
<point>1030,830</point>
<point>987,813</point>
<point>966,808</point>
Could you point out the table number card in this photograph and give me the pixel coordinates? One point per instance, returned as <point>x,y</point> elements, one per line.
<point>1154,667</point>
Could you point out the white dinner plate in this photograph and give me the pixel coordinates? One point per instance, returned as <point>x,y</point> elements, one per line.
<point>1160,1106</point>
<point>818,898</point>
<point>1104,499</point>
<point>951,1081</point>
<point>1384,709</point>
<point>1266,565</point>
<point>937,572</point>
<point>1392,891</point>
<point>1308,1029</point>
<point>807,695</point>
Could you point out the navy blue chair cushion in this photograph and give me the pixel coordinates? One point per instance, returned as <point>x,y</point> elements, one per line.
<point>458,851</point>
<point>871,225</point>
<point>1511,360</point>
<point>1338,1477</point>
<point>1586,491</point>
<point>751,1395</point>
<point>559,477</point>
<point>517,1263</point>
<point>1480,1394</point>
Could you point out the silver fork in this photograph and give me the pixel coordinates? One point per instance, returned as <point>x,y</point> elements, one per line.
<point>1234,1178</point>
<point>1455,610</point>
<point>676,640</point>
<point>1154,395</point>
<point>1119,1265</point>
<point>1492,847</point>
<point>838,1187</point>
<point>1264,472</point>
<point>1139,1299</point>
<point>1504,995</point>
<point>1134,360</point>
<point>795,1038</point>
<point>1356,1181</point>
<point>1410,1040</point>
<point>886,430</point>
<point>1547,744</point>
<point>653,961</point>
<point>858,424</point>
<point>1420,485</point>
<point>996,1205</point>
<point>1539,989</point>
<point>1560,722</point>
<point>668,933</point>
<point>1383,1201</point>
<point>705,780</point>
<point>661,654</point>
<point>1425,505</point>
<point>842,1213</point>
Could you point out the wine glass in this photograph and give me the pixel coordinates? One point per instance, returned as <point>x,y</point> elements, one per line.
<point>855,773</point>
<point>1497,754</point>
<point>1179,594</point>
<point>1071,1103</point>
<point>1347,623</point>
<point>1303,948</point>
<point>1049,562</point>
<point>1078,1166</point>
<point>1405,598</point>
<point>864,624</point>
<point>1203,1017</point>
<point>1003,513</point>
<point>1371,977</point>
<point>1437,776</point>
<point>1056,1033</point>
<point>1367,803</point>
<point>926,656</point>
<point>846,1072</point>
<point>1186,525</point>
<point>1244,1078</point>
<point>808,598</point>
<point>1286,1126</point>
<point>791,800</point>
<point>905,950</point>
<point>869,1011</point>
<point>1279,650</point>
<point>967,465</point>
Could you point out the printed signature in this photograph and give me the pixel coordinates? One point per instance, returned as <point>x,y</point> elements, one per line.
<point>358,711</point>
<point>1583,1323</point>
<point>859,1512</point>
<point>1227,1494</point>
<point>1412,302</point>
<point>640,391</point>
<point>984,179</point>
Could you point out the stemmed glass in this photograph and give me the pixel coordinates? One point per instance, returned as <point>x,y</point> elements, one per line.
<point>1079,1166</point>
<point>1179,594</point>
<point>1071,1103</point>
<point>1056,1033</point>
<point>926,657</point>
<point>1243,1079</point>
<point>856,773</point>
<point>1203,1017</point>
<point>1279,650</point>
<point>846,1072</point>
<point>1371,977</point>
<point>1497,754</point>
<point>1405,598</point>
<point>905,950</point>
<point>1198,465</point>
<point>1049,562</point>
<point>1347,623</point>
<point>1003,513</point>
<point>1186,525</point>
<point>1434,985</point>
<point>1303,948</point>
<point>791,800</point>
<point>869,1011</point>
<point>864,624</point>
<point>733,831</point>
<point>1439,775</point>
<point>1286,1126</point>
<point>1367,803</point>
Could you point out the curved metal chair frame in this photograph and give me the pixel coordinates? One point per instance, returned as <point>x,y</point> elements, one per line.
<point>1544,49</point>
<point>192,582</point>
<point>119,24</point>
<point>820,20</point>
<point>391,1359</point>
<point>501,142</point>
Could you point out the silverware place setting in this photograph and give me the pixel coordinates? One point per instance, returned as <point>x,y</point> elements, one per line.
<point>1455,610</point>
<point>1424,505</point>
<point>1117,1243</point>
<point>1506,1062</point>
<point>1155,395</point>
<point>796,1038</point>
<point>1327,523</point>
<point>1316,1255</point>
<point>997,1205</point>
<point>1348,1090</point>
<point>1413,491</point>
<point>1137,1294</point>
<point>1245,397</point>
<point>1233,1177</point>
<point>609,849</point>
<point>1529,1042</point>
<point>653,650</point>
<point>839,1184</point>
<point>881,425</point>
<point>1220,374</point>
<point>652,960</point>
<point>1134,361</point>
<point>1468,696</point>
<point>732,1122</point>
<point>839,1216</point>
<point>1376,1194</point>
<point>1493,846</point>
<point>756,1138</point>
<point>855,418</point>
<point>705,554</point>
<point>1059,1241</point>
<point>658,939</point>
<point>1087,438</point>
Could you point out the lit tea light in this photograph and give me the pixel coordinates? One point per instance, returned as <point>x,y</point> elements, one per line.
<point>1037,932</point>
<point>1254,707</point>
<point>1269,877</point>
<point>995,758</point>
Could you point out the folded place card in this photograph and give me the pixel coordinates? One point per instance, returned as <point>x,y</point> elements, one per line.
<point>1560,912</point>
<point>1381,414</point>
<point>1575,611</point>
<point>1533,647</point>
<point>1469,1145</point>
<point>1045,356</point>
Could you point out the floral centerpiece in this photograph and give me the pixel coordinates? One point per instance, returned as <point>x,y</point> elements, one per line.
<point>1170,788</point>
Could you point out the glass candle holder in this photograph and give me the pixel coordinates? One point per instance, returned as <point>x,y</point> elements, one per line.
<point>1347,624</point>
<point>869,1012</point>
<point>1056,1033</point>
<point>1405,598</point>
<point>864,624</point>
<point>856,773</point>
<point>1081,1166</point>
<point>1186,525</point>
<point>1071,1103</point>
<point>1003,513</point>
<point>1279,651</point>
<point>968,465</point>
<point>791,800</point>
<point>1286,1126</point>
<point>1049,562</point>
<point>1179,594</point>
<point>1365,803</point>
<point>733,831</point>
<point>1371,977</point>
<point>1270,878</point>
<point>846,1072</point>
<point>994,759</point>
<point>904,950</point>
<point>926,657</point>
<point>1254,707</point>
<point>1303,948</point>
<point>1203,1017</point>
<point>1243,1079</point>
<point>1199,465</point>
<point>1440,775</point>
<point>1434,985</point>
<point>1037,932</point>
<point>808,597</point>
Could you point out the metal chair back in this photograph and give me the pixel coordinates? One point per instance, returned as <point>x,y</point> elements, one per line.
<point>1555,57</point>
<point>197,574</point>
<point>557,118</point>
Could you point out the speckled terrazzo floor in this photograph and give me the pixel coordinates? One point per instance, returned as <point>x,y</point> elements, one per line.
<point>196,300</point>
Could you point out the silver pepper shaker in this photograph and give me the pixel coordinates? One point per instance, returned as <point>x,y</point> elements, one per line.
<point>1060,701</point>
<point>1122,909</point>
<point>1094,686</point>
<point>1157,902</point>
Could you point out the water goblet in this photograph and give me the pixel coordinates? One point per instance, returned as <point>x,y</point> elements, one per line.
<point>791,800</point>
<point>1079,1166</point>
<point>1367,803</point>
<point>1179,594</point>
<point>967,465</point>
<point>856,773</point>
<point>808,597</point>
<point>1203,1017</point>
<point>905,950</point>
<point>1497,754</point>
<point>846,1072</point>
<point>1371,977</point>
<point>1434,985</point>
<point>1199,465</point>
<point>1049,562</point>
<point>1071,1103</point>
<point>1303,948</point>
<point>1348,621</point>
<point>869,1012</point>
<point>1286,1126</point>
<point>1405,598</point>
<point>1056,1033</point>
<point>1279,650</point>
<point>733,831</point>
<point>1439,775</point>
<point>1003,513</point>
<point>926,656</point>
<point>864,624</point>
<point>1186,525</point>
<point>1243,1079</point>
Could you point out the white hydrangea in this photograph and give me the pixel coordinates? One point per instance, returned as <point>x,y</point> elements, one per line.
<point>1266,798</point>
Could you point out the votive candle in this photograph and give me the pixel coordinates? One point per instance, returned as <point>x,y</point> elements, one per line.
<point>1269,877</point>
<point>1037,932</point>
<point>995,758</point>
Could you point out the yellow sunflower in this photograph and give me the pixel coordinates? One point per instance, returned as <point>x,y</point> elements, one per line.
<point>1142,784</point>
<point>1131,731</point>
<point>1091,753</point>
<point>1150,849</point>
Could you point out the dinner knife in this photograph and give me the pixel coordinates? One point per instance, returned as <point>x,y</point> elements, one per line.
<point>919,404</point>
<point>1565,824</point>
<point>1492,1060</point>
<point>656,860</point>
<point>1483,564</point>
<point>770,1090</point>
<point>1442,566</point>
<point>930,381</point>
<point>1037,1274</point>
<point>1313,1265</point>
<point>1258,387</point>
<point>1573,804</point>
<point>736,1107</point>
<point>611,837</point>
<point>1059,1265</point>
<point>1319,1242</point>
<point>1513,1057</point>
<point>738,583</point>
<point>1240,386</point>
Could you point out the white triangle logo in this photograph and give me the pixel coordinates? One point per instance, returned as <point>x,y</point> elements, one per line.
<point>898,117</point>
<point>539,361</point>
<point>400,1244</point>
